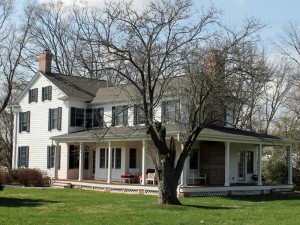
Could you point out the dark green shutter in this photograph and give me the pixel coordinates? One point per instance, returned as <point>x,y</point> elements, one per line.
<point>19,156</point>
<point>43,94</point>
<point>73,119</point>
<point>48,156</point>
<point>49,120</point>
<point>20,121</point>
<point>28,122</point>
<point>59,118</point>
<point>113,116</point>
<point>27,156</point>
<point>29,96</point>
<point>59,152</point>
<point>125,114</point>
<point>135,115</point>
<point>163,111</point>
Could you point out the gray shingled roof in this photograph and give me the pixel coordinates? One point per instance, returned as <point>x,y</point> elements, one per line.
<point>77,87</point>
<point>139,132</point>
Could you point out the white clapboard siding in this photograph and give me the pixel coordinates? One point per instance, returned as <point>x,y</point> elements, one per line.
<point>39,137</point>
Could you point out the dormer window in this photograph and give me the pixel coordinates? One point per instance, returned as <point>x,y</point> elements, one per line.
<point>119,115</point>
<point>47,93</point>
<point>77,117</point>
<point>33,95</point>
<point>170,112</point>
<point>139,115</point>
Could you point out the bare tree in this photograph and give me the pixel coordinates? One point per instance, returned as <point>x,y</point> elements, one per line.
<point>13,41</point>
<point>150,49</point>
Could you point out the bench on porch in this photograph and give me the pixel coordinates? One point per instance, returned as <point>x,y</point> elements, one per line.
<point>194,174</point>
<point>130,176</point>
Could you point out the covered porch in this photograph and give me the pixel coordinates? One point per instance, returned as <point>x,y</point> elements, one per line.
<point>228,160</point>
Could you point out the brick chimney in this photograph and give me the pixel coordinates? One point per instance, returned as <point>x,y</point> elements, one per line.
<point>45,61</point>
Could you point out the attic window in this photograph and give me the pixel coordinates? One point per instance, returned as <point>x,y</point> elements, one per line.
<point>33,95</point>
<point>47,93</point>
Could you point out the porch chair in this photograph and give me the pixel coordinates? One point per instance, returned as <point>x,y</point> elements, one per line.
<point>130,176</point>
<point>151,177</point>
<point>146,176</point>
<point>194,174</point>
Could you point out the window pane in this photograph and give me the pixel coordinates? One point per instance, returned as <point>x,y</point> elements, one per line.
<point>250,161</point>
<point>54,118</point>
<point>102,158</point>
<point>194,159</point>
<point>118,158</point>
<point>132,158</point>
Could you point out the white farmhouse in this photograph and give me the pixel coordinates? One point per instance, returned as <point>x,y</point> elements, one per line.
<point>61,127</point>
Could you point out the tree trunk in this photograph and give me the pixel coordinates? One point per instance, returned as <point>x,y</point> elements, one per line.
<point>167,183</point>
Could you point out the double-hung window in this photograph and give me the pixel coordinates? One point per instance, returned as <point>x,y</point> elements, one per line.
<point>33,95</point>
<point>55,118</point>
<point>77,117</point>
<point>23,156</point>
<point>24,121</point>
<point>47,93</point>
<point>139,115</point>
<point>119,115</point>
<point>170,112</point>
<point>94,117</point>
<point>116,158</point>
<point>51,156</point>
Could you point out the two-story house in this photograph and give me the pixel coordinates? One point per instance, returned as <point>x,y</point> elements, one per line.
<point>61,127</point>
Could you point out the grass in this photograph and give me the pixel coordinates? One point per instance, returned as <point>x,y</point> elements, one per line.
<point>73,206</point>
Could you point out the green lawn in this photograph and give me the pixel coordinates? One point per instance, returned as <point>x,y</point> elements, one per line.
<point>72,206</point>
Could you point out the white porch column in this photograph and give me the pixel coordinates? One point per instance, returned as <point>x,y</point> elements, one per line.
<point>184,171</point>
<point>109,170</point>
<point>227,163</point>
<point>80,175</point>
<point>143,162</point>
<point>56,161</point>
<point>259,167</point>
<point>290,165</point>
<point>15,148</point>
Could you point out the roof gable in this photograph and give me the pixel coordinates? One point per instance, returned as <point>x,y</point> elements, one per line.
<point>32,81</point>
<point>77,87</point>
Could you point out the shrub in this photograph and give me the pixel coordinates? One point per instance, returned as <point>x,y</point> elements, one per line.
<point>5,178</point>
<point>29,177</point>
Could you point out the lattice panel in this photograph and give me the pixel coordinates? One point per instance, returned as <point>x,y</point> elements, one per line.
<point>99,189</point>
<point>131,191</point>
<point>150,192</point>
<point>246,192</point>
<point>87,187</point>
<point>208,193</point>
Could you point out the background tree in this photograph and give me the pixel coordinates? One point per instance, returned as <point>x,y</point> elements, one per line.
<point>14,38</point>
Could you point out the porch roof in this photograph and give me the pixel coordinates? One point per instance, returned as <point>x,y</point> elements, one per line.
<point>135,133</point>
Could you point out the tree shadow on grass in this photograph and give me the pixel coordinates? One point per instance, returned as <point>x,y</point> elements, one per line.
<point>22,202</point>
<point>266,198</point>
<point>210,207</point>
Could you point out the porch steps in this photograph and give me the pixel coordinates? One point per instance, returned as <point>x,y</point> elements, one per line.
<point>60,185</point>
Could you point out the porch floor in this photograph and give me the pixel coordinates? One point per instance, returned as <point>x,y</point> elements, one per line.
<point>187,191</point>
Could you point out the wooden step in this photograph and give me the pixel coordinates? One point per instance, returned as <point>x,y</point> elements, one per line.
<point>61,185</point>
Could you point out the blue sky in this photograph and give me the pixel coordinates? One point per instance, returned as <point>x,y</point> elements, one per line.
<point>274,13</point>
